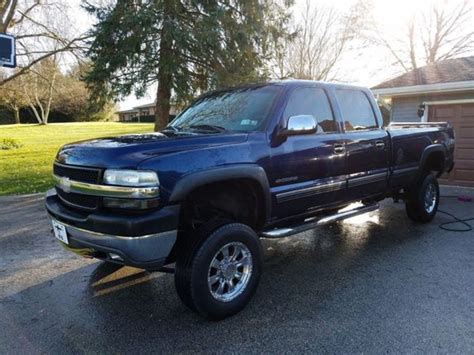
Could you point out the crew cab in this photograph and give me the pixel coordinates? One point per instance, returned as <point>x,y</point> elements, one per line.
<point>260,161</point>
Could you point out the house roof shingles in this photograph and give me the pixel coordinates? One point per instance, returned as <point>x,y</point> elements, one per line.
<point>447,71</point>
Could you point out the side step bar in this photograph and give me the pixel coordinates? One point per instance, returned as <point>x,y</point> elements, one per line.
<point>313,223</point>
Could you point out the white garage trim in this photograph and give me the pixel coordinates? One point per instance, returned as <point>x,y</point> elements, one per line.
<point>442,102</point>
<point>426,89</point>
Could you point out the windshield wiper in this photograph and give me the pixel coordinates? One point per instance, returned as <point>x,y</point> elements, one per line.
<point>170,128</point>
<point>208,127</point>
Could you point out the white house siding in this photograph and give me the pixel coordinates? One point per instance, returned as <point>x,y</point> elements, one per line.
<point>405,109</point>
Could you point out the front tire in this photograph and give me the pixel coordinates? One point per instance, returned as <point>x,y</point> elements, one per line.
<point>218,276</point>
<point>423,199</point>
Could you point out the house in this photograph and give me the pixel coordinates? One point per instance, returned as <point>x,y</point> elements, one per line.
<point>142,112</point>
<point>440,92</point>
<point>127,115</point>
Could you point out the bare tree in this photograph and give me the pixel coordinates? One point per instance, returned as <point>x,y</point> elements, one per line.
<point>39,88</point>
<point>443,32</point>
<point>320,40</point>
<point>42,30</point>
<point>13,98</point>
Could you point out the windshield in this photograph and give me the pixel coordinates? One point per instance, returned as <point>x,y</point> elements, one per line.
<point>237,110</point>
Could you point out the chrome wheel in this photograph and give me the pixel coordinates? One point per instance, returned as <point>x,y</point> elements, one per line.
<point>431,197</point>
<point>230,271</point>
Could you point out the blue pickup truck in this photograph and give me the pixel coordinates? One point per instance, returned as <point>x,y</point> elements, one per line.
<point>260,161</point>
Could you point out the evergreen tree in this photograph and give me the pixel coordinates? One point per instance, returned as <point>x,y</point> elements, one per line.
<point>185,46</point>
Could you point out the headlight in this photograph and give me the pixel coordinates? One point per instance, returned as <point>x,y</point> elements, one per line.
<point>133,178</point>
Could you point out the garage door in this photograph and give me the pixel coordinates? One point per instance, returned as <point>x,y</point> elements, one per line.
<point>461,117</point>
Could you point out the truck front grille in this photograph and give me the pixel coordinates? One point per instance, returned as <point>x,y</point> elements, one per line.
<point>77,173</point>
<point>79,201</point>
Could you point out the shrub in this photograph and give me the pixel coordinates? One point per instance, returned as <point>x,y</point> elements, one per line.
<point>9,144</point>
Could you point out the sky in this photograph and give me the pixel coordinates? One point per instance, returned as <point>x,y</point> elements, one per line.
<point>369,69</point>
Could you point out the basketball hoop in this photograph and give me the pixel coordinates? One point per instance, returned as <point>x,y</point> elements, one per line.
<point>7,51</point>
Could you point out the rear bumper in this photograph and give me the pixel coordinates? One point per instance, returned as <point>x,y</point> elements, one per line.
<point>143,241</point>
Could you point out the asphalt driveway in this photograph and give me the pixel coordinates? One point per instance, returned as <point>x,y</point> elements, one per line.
<point>376,283</point>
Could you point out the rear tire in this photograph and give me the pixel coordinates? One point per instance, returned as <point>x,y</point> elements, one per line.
<point>217,276</point>
<point>423,199</point>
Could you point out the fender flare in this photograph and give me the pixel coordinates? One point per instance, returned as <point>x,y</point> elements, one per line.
<point>426,153</point>
<point>220,174</point>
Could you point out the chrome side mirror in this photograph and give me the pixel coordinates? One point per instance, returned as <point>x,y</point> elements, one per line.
<point>300,124</point>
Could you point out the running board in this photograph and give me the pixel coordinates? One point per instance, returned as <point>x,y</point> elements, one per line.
<point>285,232</point>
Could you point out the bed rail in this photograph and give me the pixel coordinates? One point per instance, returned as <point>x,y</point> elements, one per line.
<point>417,124</point>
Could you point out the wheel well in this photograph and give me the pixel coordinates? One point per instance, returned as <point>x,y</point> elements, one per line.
<point>240,200</point>
<point>434,162</point>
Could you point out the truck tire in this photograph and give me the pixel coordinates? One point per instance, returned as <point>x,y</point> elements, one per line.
<point>218,276</point>
<point>423,199</point>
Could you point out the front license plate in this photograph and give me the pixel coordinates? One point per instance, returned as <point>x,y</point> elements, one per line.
<point>60,232</point>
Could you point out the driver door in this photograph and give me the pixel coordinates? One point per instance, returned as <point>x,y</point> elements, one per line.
<point>308,169</point>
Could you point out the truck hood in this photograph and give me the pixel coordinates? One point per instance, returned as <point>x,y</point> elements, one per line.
<point>129,150</point>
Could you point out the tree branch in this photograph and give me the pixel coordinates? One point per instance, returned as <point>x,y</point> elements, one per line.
<point>26,12</point>
<point>9,15</point>
<point>23,70</point>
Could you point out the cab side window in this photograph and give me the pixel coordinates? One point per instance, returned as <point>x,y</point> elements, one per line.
<point>311,101</point>
<point>356,110</point>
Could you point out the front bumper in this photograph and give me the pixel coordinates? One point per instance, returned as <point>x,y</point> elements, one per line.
<point>143,240</point>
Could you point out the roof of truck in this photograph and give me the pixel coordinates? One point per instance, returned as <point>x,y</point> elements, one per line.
<point>296,82</point>
<point>289,82</point>
<point>284,83</point>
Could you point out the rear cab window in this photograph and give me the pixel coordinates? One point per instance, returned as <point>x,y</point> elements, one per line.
<point>356,110</point>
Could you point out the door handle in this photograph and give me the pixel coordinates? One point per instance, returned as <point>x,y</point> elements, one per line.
<point>339,148</point>
<point>380,144</point>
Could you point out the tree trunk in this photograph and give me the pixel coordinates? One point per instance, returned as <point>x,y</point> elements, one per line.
<point>36,113</point>
<point>16,111</point>
<point>7,10</point>
<point>34,102</point>
<point>411,35</point>
<point>163,95</point>
<point>50,98</point>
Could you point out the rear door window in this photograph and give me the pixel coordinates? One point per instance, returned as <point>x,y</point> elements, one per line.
<point>356,110</point>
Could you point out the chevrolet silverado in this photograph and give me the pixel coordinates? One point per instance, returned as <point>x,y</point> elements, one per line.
<point>260,161</point>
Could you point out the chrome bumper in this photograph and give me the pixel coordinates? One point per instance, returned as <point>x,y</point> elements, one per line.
<point>146,251</point>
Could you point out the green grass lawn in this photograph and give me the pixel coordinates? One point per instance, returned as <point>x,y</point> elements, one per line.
<point>28,169</point>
